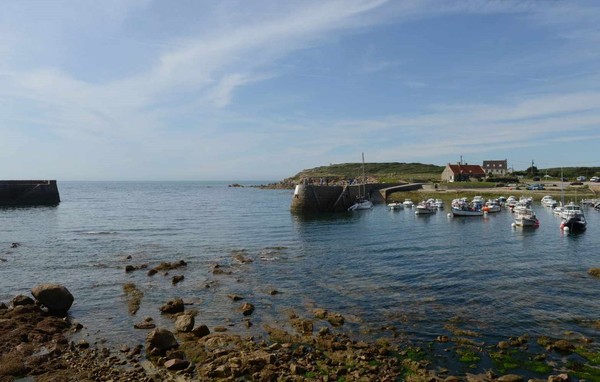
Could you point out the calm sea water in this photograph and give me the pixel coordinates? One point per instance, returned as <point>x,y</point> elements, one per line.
<point>377,268</point>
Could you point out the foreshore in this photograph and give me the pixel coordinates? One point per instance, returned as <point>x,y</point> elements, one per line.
<point>313,345</point>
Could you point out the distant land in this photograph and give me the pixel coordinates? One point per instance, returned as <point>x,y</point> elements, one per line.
<point>392,172</point>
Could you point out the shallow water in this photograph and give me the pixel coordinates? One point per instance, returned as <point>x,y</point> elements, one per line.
<point>420,274</point>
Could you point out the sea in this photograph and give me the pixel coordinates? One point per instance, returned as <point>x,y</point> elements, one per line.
<point>389,273</point>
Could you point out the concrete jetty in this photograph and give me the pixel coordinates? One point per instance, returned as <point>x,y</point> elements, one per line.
<point>28,192</point>
<point>320,198</point>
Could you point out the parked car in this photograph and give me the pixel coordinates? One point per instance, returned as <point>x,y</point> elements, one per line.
<point>576,183</point>
<point>594,179</point>
<point>564,179</point>
<point>581,178</point>
<point>536,187</point>
<point>536,178</point>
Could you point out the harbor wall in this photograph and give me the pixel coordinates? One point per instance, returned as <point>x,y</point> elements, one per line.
<point>317,198</point>
<point>28,192</point>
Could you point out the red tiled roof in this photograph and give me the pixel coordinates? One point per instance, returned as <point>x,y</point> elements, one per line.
<point>470,169</point>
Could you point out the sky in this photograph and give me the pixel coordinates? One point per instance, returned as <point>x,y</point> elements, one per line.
<point>262,89</point>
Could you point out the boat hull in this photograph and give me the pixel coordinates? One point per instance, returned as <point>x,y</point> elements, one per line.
<point>459,212</point>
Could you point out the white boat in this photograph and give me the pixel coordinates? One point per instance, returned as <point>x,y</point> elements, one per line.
<point>548,201</point>
<point>426,207</point>
<point>525,217</point>
<point>395,206</point>
<point>492,205</point>
<point>362,203</point>
<point>511,201</point>
<point>572,218</point>
<point>460,207</point>
<point>408,203</point>
<point>439,203</point>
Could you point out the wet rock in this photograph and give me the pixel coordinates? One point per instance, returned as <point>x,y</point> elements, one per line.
<point>176,364</point>
<point>184,323</point>
<point>442,339</point>
<point>177,279</point>
<point>235,297</point>
<point>161,339</point>
<point>273,292</point>
<point>320,313</point>
<point>559,378</point>
<point>22,300</point>
<point>563,346</point>
<point>201,331</point>
<point>510,378</point>
<point>134,297</point>
<point>247,309</point>
<point>173,306</point>
<point>595,272</point>
<point>335,319</point>
<point>55,297</point>
<point>15,245</point>
<point>148,323</point>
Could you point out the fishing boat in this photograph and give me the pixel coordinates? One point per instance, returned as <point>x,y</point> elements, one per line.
<point>572,218</point>
<point>426,207</point>
<point>362,203</point>
<point>525,217</point>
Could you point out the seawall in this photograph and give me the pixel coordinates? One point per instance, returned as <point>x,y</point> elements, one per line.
<point>28,192</point>
<point>316,198</point>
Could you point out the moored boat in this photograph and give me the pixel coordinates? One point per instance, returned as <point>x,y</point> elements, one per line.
<point>395,206</point>
<point>525,217</point>
<point>548,201</point>
<point>426,207</point>
<point>460,207</point>
<point>408,203</point>
<point>572,218</point>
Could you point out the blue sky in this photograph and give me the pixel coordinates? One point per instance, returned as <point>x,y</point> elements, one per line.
<point>259,90</point>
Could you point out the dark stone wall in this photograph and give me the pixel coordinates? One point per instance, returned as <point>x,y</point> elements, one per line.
<point>28,192</point>
<point>313,198</point>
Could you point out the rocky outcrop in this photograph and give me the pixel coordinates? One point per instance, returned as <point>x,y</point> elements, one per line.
<point>55,297</point>
<point>160,340</point>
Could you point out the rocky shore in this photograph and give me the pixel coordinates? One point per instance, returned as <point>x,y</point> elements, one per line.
<point>37,341</point>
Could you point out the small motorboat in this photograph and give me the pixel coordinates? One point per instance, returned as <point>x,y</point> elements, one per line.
<point>395,206</point>
<point>525,217</point>
<point>408,203</point>
<point>426,207</point>
<point>361,204</point>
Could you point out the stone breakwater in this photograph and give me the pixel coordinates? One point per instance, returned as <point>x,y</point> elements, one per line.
<point>36,339</point>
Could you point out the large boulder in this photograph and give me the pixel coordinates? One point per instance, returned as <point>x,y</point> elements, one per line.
<point>55,297</point>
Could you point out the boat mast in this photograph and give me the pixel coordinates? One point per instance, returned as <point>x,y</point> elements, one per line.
<point>364,179</point>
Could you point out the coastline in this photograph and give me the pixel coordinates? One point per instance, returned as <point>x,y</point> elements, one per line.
<point>313,345</point>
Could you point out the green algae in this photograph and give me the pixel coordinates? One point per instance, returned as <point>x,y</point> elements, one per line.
<point>591,356</point>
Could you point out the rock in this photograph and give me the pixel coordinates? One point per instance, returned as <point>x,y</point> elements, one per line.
<point>235,297</point>
<point>247,309</point>
<point>273,292</point>
<point>563,346</point>
<point>558,378</point>
<point>184,323</point>
<point>173,306</point>
<point>15,245</point>
<point>296,369</point>
<point>55,297</point>
<point>161,339</point>
<point>595,272</point>
<point>320,313</point>
<point>177,279</point>
<point>176,364</point>
<point>442,339</point>
<point>129,268</point>
<point>144,325</point>
<point>201,331</point>
<point>335,319</point>
<point>22,300</point>
<point>510,378</point>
